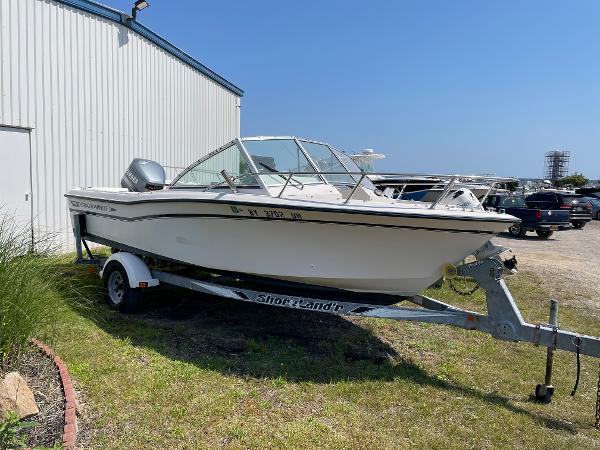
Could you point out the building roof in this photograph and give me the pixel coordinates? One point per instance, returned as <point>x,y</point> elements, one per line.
<point>119,17</point>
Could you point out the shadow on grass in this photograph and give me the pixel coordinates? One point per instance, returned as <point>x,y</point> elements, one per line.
<point>278,344</point>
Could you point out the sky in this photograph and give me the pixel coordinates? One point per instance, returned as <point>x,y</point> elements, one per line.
<point>438,86</point>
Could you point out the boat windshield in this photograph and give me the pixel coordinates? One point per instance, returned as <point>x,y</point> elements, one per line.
<point>207,172</point>
<point>326,161</point>
<point>364,162</point>
<point>271,156</point>
<point>272,160</point>
<point>351,166</point>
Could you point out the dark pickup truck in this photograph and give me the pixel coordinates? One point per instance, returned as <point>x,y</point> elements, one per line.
<point>579,207</point>
<point>543,221</point>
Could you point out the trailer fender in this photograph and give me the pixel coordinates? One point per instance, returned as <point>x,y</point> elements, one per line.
<point>137,272</point>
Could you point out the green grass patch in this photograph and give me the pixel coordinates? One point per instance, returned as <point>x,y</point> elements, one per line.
<point>33,293</point>
<point>196,372</point>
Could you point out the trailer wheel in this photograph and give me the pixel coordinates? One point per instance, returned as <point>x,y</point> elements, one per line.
<point>117,292</point>
<point>516,230</point>
<point>544,234</point>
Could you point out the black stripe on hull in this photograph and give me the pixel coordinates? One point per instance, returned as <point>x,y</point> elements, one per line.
<point>307,208</point>
<point>283,219</point>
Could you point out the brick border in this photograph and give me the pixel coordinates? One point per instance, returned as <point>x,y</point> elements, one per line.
<point>70,428</point>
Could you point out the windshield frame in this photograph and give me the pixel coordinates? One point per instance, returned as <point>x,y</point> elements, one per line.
<point>223,184</point>
<point>260,174</point>
<point>261,184</point>
<point>331,150</point>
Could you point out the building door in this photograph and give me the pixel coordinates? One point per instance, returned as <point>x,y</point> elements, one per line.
<point>15,177</point>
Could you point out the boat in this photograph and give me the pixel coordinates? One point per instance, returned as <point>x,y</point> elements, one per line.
<point>284,209</point>
<point>397,183</point>
<point>422,187</point>
<point>479,190</point>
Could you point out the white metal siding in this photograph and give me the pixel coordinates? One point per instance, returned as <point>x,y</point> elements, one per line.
<point>97,95</point>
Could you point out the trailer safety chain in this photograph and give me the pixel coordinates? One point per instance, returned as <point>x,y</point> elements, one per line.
<point>577,342</point>
<point>598,401</point>
<point>460,292</point>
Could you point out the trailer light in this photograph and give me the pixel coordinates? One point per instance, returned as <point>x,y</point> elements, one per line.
<point>538,214</point>
<point>143,284</point>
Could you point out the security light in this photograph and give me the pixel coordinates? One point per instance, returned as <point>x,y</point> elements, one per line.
<point>137,6</point>
<point>141,4</point>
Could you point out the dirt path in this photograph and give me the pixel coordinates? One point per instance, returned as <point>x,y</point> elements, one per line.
<point>569,261</point>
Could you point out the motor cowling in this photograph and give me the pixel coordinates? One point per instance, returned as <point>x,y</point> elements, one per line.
<point>463,198</point>
<point>144,175</point>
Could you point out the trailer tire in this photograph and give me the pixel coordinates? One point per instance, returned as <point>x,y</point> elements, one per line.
<point>117,292</point>
<point>517,230</point>
<point>544,234</point>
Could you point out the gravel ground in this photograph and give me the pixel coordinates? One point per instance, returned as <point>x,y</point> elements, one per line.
<point>569,261</point>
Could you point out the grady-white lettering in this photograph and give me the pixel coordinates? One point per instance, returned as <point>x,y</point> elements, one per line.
<point>93,206</point>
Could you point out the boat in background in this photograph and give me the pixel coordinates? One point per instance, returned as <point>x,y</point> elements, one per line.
<point>423,187</point>
<point>398,184</point>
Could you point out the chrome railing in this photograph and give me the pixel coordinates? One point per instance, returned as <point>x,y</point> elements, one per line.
<point>449,181</point>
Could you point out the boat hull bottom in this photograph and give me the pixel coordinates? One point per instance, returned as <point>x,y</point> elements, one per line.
<point>351,258</point>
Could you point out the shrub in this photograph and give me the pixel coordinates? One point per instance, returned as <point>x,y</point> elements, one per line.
<point>29,301</point>
<point>10,431</point>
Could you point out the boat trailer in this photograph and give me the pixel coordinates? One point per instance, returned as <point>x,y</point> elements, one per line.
<point>503,319</point>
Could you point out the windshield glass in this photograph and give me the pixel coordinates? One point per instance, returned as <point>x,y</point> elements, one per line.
<point>352,167</point>
<point>512,202</point>
<point>326,161</point>
<point>364,162</point>
<point>280,155</point>
<point>208,172</point>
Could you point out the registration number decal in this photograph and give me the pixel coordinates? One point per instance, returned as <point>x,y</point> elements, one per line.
<point>266,213</point>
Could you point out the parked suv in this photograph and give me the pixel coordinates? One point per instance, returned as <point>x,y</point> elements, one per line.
<point>579,207</point>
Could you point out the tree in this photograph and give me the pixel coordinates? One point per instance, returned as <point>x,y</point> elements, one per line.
<point>575,180</point>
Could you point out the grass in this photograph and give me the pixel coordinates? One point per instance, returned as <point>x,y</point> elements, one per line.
<point>195,372</point>
<point>30,297</point>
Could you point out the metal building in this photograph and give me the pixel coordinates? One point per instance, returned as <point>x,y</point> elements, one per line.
<point>83,90</point>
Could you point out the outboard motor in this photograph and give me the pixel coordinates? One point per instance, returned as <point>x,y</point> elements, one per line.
<point>463,198</point>
<point>144,175</point>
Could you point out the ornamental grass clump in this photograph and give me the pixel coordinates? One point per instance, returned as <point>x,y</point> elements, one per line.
<point>30,283</point>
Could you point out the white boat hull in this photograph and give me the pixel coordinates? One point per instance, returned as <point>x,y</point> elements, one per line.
<point>354,251</point>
